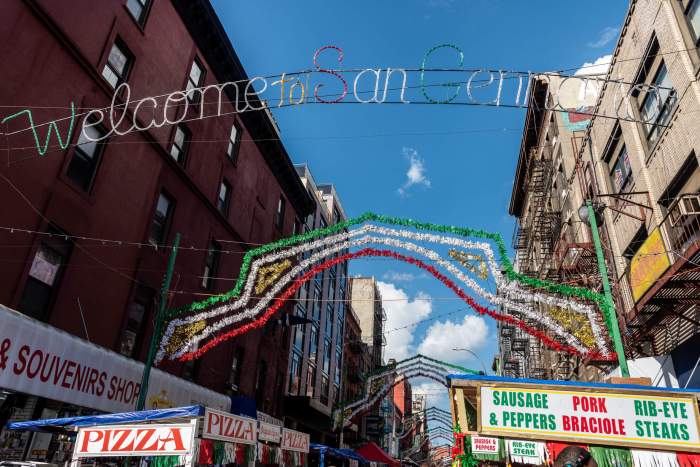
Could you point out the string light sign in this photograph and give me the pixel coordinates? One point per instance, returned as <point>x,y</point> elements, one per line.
<point>321,85</point>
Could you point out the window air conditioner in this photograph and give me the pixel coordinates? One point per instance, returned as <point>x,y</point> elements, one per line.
<point>683,206</point>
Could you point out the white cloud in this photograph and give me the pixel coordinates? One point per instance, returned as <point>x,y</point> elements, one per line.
<point>398,276</point>
<point>598,67</point>
<point>441,337</point>
<point>607,35</point>
<point>395,276</point>
<point>401,312</point>
<point>416,171</point>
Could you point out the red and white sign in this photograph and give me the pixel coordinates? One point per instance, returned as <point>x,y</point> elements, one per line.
<point>227,427</point>
<point>135,440</point>
<point>295,440</point>
<point>269,432</point>
<point>484,445</point>
<point>44,361</point>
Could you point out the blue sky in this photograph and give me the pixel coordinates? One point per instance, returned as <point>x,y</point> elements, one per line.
<point>443,164</point>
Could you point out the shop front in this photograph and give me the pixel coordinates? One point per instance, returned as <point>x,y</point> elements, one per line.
<point>502,421</point>
<point>48,373</point>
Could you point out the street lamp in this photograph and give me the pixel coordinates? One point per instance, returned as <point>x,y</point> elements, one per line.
<point>588,214</point>
<point>475,356</point>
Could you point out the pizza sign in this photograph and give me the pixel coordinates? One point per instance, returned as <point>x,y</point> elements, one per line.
<point>135,440</point>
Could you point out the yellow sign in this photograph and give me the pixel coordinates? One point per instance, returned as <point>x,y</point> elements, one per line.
<point>648,264</point>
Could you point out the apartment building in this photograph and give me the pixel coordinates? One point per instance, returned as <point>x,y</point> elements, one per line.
<point>644,171</point>
<point>366,301</point>
<point>316,349</point>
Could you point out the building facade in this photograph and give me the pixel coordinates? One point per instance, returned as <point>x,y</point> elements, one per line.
<point>316,348</point>
<point>90,224</point>
<point>367,303</point>
<point>644,172</point>
<point>357,362</point>
<point>636,159</point>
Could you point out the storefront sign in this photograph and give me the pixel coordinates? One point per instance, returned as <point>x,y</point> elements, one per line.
<point>523,448</point>
<point>295,440</point>
<point>227,427</point>
<point>269,432</point>
<point>648,264</point>
<point>484,445</point>
<point>655,420</point>
<point>41,360</point>
<point>135,440</point>
<point>263,417</point>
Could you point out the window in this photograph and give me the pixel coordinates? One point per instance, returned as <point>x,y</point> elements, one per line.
<point>279,215</point>
<point>692,15</point>
<point>329,319</point>
<point>161,220</point>
<point>44,274</point>
<point>336,215</point>
<point>324,389</point>
<point>316,305</point>
<point>137,313</point>
<point>327,356</point>
<point>295,374</point>
<point>621,173</point>
<point>211,266</point>
<point>194,81</point>
<point>234,141</point>
<point>260,382</point>
<point>310,381</point>
<point>313,345</point>
<point>236,367</point>
<point>118,64</point>
<point>138,9</point>
<point>655,110</point>
<point>338,365</point>
<point>86,157</point>
<point>181,143</point>
<point>224,198</point>
<point>298,330</point>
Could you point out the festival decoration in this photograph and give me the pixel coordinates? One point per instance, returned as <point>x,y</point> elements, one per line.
<point>249,95</point>
<point>267,269</point>
<point>466,260</point>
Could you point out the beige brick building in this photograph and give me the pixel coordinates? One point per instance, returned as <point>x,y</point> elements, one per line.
<point>637,158</point>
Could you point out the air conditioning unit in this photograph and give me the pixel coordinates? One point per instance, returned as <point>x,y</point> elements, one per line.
<point>683,206</point>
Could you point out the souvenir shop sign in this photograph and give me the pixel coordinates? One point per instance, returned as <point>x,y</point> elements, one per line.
<point>228,427</point>
<point>484,445</point>
<point>135,440</point>
<point>653,419</point>
<point>295,440</point>
<point>41,360</point>
<point>269,432</point>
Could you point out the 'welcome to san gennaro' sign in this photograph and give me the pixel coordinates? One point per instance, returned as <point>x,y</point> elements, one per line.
<point>630,418</point>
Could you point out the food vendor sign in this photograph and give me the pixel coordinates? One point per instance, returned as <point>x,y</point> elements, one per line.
<point>659,420</point>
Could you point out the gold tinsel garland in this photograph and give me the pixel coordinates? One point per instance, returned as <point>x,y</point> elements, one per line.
<point>467,260</point>
<point>269,274</point>
<point>576,323</point>
<point>183,334</point>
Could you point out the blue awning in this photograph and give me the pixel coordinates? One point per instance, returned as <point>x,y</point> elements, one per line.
<point>343,453</point>
<point>503,379</point>
<point>56,424</point>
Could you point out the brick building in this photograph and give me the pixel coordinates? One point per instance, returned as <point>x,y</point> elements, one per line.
<point>225,184</point>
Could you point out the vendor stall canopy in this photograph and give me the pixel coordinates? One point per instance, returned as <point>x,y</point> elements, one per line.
<point>51,425</point>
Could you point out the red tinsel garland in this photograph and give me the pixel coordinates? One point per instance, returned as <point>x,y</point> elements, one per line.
<point>291,290</point>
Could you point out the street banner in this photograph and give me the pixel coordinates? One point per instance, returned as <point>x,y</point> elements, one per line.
<point>41,360</point>
<point>657,420</point>
<point>269,432</point>
<point>135,440</point>
<point>484,445</point>
<point>295,440</point>
<point>228,427</point>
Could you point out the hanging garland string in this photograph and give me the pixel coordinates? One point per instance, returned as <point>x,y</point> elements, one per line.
<point>551,324</point>
<point>564,289</point>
